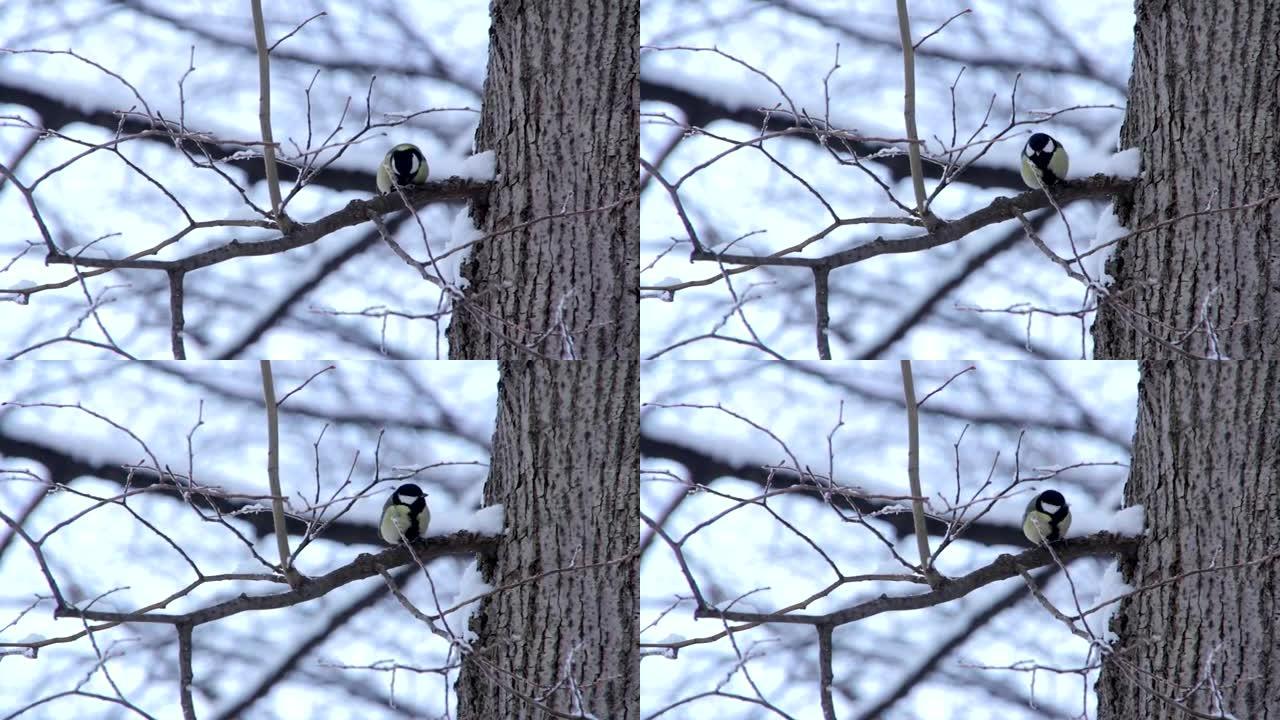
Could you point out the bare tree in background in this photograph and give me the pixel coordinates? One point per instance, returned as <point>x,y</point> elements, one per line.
<point>790,630</point>
<point>1193,276</point>
<point>565,459</point>
<point>787,611</point>
<point>1206,283</point>
<point>816,248</point>
<point>183,205</point>
<point>194,259</point>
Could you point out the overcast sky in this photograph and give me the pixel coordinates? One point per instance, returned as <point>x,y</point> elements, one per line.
<point>763,414</point>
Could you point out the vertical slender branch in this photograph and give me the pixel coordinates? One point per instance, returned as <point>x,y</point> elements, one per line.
<point>821,299</point>
<point>825,674</point>
<point>913,467</point>
<point>264,116</point>
<point>177,320</point>
<point>273,471</point>
<point>185,674</point>
<point>909,105</point>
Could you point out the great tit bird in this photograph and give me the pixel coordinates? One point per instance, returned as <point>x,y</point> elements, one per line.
<point>1043,159</point>
<point>1047,517</point>
<point>405,513</point>
<point>405,164</point>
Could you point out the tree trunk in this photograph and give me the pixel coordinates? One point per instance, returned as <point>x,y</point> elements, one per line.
<point>1203,109</point>
<point>1206,466</point>
<point>561,104</point>
<point>566,468</point>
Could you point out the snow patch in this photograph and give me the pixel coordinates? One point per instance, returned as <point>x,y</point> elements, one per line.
<point>663,295</point>
<point>1125,164</point>
<point>470,588</point>
<point>28,652</point>
<point>461,234</point>
<point>481,166</point>
<point>1110,586</point>
<point>1129,521</point>
<point>669,653</point>
<point>487,521</point>
<point>1107,229</point>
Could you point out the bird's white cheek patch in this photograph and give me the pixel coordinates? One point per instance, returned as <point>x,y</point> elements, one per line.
<point>1049,508</point>
<point>405,499</point>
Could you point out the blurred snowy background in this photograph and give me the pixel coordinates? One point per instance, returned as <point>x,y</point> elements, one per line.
<point>344,296</point>
<point>715,65</point>
<point>710,430</point>
<point>431,421</point>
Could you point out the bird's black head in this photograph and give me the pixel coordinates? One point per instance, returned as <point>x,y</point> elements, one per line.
<point>1040,141</point>
<point>410,495</point>
<point>1050,497</point>
<point>405,160</point>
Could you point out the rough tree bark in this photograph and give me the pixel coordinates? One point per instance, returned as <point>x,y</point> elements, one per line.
<point>561,105</point>
<point>565,466</point>
<point>1204,110</point>
<point>1206,466</point>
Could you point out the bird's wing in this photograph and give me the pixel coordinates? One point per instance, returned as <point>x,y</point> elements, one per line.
<point>424,519</point>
